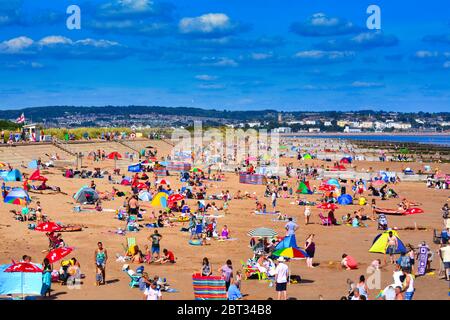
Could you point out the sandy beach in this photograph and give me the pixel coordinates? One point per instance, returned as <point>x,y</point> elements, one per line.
<point>327,280</point>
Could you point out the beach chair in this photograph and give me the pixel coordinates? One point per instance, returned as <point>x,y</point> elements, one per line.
<point>134,279</point>
<point>249,271</point>
<point>437,237</point>
<point>325,221</point>
<point>131,242</point>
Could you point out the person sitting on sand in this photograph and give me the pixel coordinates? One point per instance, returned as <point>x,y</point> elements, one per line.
<point>225,234</point>
<point>348,262</point>
<point>331,217</point>
<point>168,257</point>
<point>347,219</point>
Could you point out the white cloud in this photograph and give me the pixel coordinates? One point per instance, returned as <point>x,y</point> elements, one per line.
<point>362,84</point>
<point>16,45</point>
<point>261,56</point>
<point>426,54</point>
<point>53,40</point>
<point>319,54</point>
<point>447,65</point>
<point>209,25</point>
<point>321,19</point>
<point>205,77</point>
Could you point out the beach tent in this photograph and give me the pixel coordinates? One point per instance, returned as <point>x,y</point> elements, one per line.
<point>126,181</point>
<point>307,156</point>
<point>345,199</point>
<point>334,182</point>
<point>135,168</point>
<point>17,196</point>
<point>303,188</point>
<point>404,150</point>
<point>86,194</point>
<point>145,196</point>
<point>13,175</point>
<point>287,242</point>
<point>20,283</point>
<point>379,244</point>
<point>33,164</point>
<point>159,200</point>
<point>346,160</point>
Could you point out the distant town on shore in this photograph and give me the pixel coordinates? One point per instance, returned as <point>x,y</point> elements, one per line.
<point>282,122</point>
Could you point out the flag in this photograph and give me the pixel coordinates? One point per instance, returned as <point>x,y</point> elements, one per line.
<point>21,119</point>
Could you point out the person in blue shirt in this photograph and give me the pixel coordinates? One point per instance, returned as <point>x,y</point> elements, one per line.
<point>233,292</point>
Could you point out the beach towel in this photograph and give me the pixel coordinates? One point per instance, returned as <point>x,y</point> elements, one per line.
<point>422,260</point>
<point>209,288</point>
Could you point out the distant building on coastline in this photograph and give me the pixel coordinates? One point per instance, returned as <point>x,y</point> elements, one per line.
<point>282,130</point>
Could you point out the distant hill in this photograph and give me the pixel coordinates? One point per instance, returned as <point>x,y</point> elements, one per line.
<point>40,113</point>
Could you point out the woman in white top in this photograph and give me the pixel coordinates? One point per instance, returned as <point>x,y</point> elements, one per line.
<point>307,214</point>
<point>408,285</point>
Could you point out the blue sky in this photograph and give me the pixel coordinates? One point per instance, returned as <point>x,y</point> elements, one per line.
<point>289,55</point>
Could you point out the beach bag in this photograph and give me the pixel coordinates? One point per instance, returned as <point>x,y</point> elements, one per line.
<point>362,201</point>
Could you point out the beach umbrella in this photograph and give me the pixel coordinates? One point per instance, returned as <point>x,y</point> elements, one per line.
<point>141,186</point>
<point>327,206</point>
<point>17,196</point>
<point>291,253</point>
<point>196,169</point>
<point>145,196</point>
<point>3,165</point>
<point>22,268</point>
<point>58,253</point>
<point>175,197</point>
<point>378,182</point>
<point>48,227</point>
<point>262,233</point>
<point>114,155</point>
<point>333,182</point>
<point>163,181</point>
<point>345,199</point>
<point>327,187</point>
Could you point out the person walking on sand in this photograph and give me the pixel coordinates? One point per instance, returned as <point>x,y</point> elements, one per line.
<point>101,257</point>
<point>310,248</point>
<point>155,238</point>
<point>290,227</point>
<point>391,246</point>
<point>307,214</point>
<point>281,279</point>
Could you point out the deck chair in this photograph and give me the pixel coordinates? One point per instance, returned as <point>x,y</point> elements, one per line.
<point>249,271</point>
<point>134,279</point>
<point>325,221</point>
<point>131,242</point>
<point>437,237</point>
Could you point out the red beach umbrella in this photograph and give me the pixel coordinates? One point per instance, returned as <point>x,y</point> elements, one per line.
<point>327,206</point>
<point>48,227</point>
<point>58,253</point>
<point>175,197</point>
<point>23,267</point>
<point>114,155</point>
<point>327,187</point>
